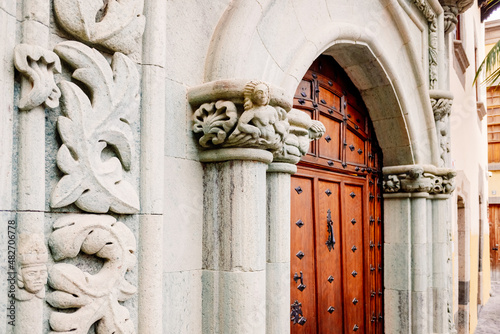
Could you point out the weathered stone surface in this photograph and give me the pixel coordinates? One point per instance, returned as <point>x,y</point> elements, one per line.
<point>114,25</point>
<point>39,66</point>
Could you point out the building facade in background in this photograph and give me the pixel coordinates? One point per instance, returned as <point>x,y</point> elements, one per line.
<point>242,166</point>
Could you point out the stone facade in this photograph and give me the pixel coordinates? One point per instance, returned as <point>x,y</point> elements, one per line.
<point>147,148</point>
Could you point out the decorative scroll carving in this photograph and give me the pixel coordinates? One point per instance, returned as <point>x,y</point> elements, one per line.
<point>431,17</point>
<point>95,119</point>
<point>302,131</point>
<point>260,125</point>
<point>38,65</point>
<point>442,110</point>
<point>32,267</point>
<point>420,179</point>
<point>214,120</point>
<point>91,298</point>
<point>116,25</point>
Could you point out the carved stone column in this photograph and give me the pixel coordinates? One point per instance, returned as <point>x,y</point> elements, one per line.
<point>415,230</point>
<point>302,130</point>
<point>38,90</point>
<point>241,124</point>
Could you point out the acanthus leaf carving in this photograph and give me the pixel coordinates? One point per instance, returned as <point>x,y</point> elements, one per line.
<point>116,25</point>
<point>92,298</point>
<point>39,66</point>
<point>90,124</point>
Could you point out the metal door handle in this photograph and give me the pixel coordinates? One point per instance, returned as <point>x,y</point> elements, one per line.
<point>330,243</point>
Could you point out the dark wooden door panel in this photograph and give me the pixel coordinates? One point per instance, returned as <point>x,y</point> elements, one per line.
<point>302,257</point>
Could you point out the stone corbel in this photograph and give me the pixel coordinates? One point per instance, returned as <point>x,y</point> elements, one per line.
<point>240,120</point>
<point>441,102</point>
<point>418,179</point>
<point>453,8</point>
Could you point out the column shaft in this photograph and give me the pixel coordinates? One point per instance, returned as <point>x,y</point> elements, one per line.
<point>234,247</point>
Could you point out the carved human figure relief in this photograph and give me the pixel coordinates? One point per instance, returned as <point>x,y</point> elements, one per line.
<point>93,120</point>
<point>116,25</point>
<point>87,298</point>
<point>416,179</point>
<point>32,267</point>
<point>260,125</point>
<point>442,109</point>
<point>302,130</point>
<point>38,65</point>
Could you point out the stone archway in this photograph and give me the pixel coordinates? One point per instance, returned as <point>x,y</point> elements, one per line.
<point>251,42</point>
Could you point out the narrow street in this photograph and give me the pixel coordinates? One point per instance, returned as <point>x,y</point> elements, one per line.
<point>489,317</point>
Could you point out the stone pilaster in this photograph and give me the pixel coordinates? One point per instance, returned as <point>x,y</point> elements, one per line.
<point>416,230</point>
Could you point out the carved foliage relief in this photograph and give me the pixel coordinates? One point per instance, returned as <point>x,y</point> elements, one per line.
<point>38,65</point>
<point>116,25</point>
<point>91,298</point>
<point>96,117</point>
<point>418,180</point>
<point>442,109</point>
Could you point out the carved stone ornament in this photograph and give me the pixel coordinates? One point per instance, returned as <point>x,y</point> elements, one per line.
<point>39,66</point>
<point>240,117</point>
<point>441,102</point>
<point>453,8</point>
<point>414,178</point>
<point>116,25</point>
<point>431,17</point>
<point>95,131</point>
<point>88,298</point>
<point>301,132</point>
<point>32,267</point>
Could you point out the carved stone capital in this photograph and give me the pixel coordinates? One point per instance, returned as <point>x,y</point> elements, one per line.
<point>38,65</point>
<point>243,116</point>
<point>453,8</point>
<point>419,178</point>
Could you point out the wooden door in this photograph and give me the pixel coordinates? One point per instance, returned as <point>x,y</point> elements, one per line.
<point>336,218</point>
<point>494,221</point>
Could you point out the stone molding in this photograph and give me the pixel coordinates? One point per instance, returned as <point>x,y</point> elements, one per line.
<point>431,18</point>
<point>91,297</point>
<point>453,8</point>
<point>114,25</point>
<point>236,117</point>
<point>92,121</point>
<point>418,179</point>
<point>38,65</point>
<point>441,102</point>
